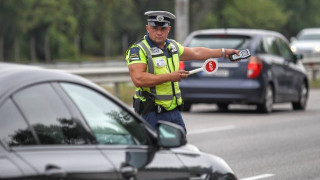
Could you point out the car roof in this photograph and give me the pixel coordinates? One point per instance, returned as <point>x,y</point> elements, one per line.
<point>310,31</point>
<point>16,76</point>
<point>234,31</point>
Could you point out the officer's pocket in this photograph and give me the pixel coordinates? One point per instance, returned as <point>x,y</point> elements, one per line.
<point>143,107</point>
<point>147,106</point>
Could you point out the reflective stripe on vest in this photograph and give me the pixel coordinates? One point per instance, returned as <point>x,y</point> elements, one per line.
<point>161,97</point>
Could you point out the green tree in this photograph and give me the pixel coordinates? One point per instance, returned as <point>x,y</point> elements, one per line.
<point>303,14</point>
<point>53,25</point>
<point>85,11</point>
<point>259,14</point>
<point>11,28</point>
<point>204,14</point>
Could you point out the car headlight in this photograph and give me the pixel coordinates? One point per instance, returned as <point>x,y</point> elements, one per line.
<point>317,49</point>
<point>293,48</point>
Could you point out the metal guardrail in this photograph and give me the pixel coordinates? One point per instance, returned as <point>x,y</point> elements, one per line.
<point>312,65</point>
<point>114,75</point>
<point>103,73</point>
<point>117,72</point>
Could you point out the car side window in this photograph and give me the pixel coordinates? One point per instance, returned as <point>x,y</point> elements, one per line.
<point>48,115</point>
<point>271,44</point>
<point>110,123</point>
<point>285,50</point>
<point>261,48</point>
<point>14,129</point>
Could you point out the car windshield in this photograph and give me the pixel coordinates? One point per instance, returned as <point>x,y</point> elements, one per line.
<point>220,41</point>
<point>309,37</point>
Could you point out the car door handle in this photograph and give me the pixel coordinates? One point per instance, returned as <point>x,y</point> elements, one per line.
<point>201,177</point>
<point>54,172</point>
<point>128,172</point>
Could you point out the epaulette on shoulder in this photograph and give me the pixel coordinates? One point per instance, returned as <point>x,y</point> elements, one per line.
<point>171,40</point>
<point>138,41</point>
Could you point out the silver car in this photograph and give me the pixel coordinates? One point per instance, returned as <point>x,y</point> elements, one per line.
<point>307,42</point>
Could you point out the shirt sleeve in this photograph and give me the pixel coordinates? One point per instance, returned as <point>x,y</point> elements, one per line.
<point>135,55</point>
<point>181,48</point>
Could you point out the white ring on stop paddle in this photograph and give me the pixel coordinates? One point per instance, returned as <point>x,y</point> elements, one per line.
<point>210,66</point>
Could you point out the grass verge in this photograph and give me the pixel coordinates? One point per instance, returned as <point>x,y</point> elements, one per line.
<point>126,92</point>
<point>314,84</point>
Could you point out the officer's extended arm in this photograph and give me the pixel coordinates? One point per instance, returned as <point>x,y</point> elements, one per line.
<point>201,53</point>
<point>141,78</point>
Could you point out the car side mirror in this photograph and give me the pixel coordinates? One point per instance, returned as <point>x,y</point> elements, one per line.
<point>297,57</point>
<point>170,135</point>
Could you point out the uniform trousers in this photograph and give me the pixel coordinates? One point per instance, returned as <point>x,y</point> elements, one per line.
<point>173,116</point>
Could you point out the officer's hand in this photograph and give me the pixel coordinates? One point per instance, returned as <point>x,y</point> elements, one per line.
<point>230,52</point>
<point>178,75</point>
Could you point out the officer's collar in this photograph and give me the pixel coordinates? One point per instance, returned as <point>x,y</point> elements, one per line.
<point>151,44</point>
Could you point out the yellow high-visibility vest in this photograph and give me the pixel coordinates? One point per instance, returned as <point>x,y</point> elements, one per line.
<point>167,94</point>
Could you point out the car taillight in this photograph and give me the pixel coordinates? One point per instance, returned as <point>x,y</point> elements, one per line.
<point>254,67</point>
<point>181,65</point>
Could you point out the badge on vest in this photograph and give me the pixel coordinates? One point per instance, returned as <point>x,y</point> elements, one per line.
<point>155,51</point>
<point>160,62</point>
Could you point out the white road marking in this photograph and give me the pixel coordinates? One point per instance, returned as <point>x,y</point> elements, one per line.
<point>222,128</point>
<point>258,177</point>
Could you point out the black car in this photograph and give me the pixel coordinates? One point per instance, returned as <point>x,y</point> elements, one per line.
<point>273,74</point>
<point>55,125</point>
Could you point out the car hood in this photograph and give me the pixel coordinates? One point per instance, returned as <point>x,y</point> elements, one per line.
<point>193,158</point>
<point>188,148</point>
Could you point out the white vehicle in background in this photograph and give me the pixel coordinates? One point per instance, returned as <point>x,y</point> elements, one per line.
<point>307,42</point>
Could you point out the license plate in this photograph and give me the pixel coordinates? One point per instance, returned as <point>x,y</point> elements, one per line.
<point>218,73</point>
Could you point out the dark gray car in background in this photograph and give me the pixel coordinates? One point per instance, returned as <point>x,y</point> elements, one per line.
<point>55,125</point>
<point>273,74</point>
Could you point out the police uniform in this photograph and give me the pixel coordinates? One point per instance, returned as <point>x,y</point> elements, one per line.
<point>163,101</point>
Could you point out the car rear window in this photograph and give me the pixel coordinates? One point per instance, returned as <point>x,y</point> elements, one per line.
<point>220,41</point>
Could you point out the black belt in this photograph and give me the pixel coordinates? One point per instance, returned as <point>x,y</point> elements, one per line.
<point>159,109</point>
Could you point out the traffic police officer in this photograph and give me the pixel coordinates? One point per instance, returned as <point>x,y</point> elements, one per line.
<point>154,69</point>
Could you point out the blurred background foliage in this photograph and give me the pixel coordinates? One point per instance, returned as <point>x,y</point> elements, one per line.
<point>71,30</point>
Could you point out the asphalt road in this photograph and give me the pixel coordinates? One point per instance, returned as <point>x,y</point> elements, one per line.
<point>283,145</point>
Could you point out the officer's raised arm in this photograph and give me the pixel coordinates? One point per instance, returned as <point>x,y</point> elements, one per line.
<point>202,53</point>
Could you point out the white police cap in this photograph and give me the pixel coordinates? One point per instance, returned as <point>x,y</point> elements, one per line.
<point>159,18</point>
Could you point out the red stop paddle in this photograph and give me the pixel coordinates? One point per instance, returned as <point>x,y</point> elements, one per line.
<point>210,66</point>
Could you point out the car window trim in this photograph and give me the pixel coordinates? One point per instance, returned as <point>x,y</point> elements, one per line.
<point>122,147</point>
<point>25,119</point>
<point>62,147</point>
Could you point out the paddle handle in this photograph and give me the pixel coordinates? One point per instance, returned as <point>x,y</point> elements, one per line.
<point>195,70</point>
